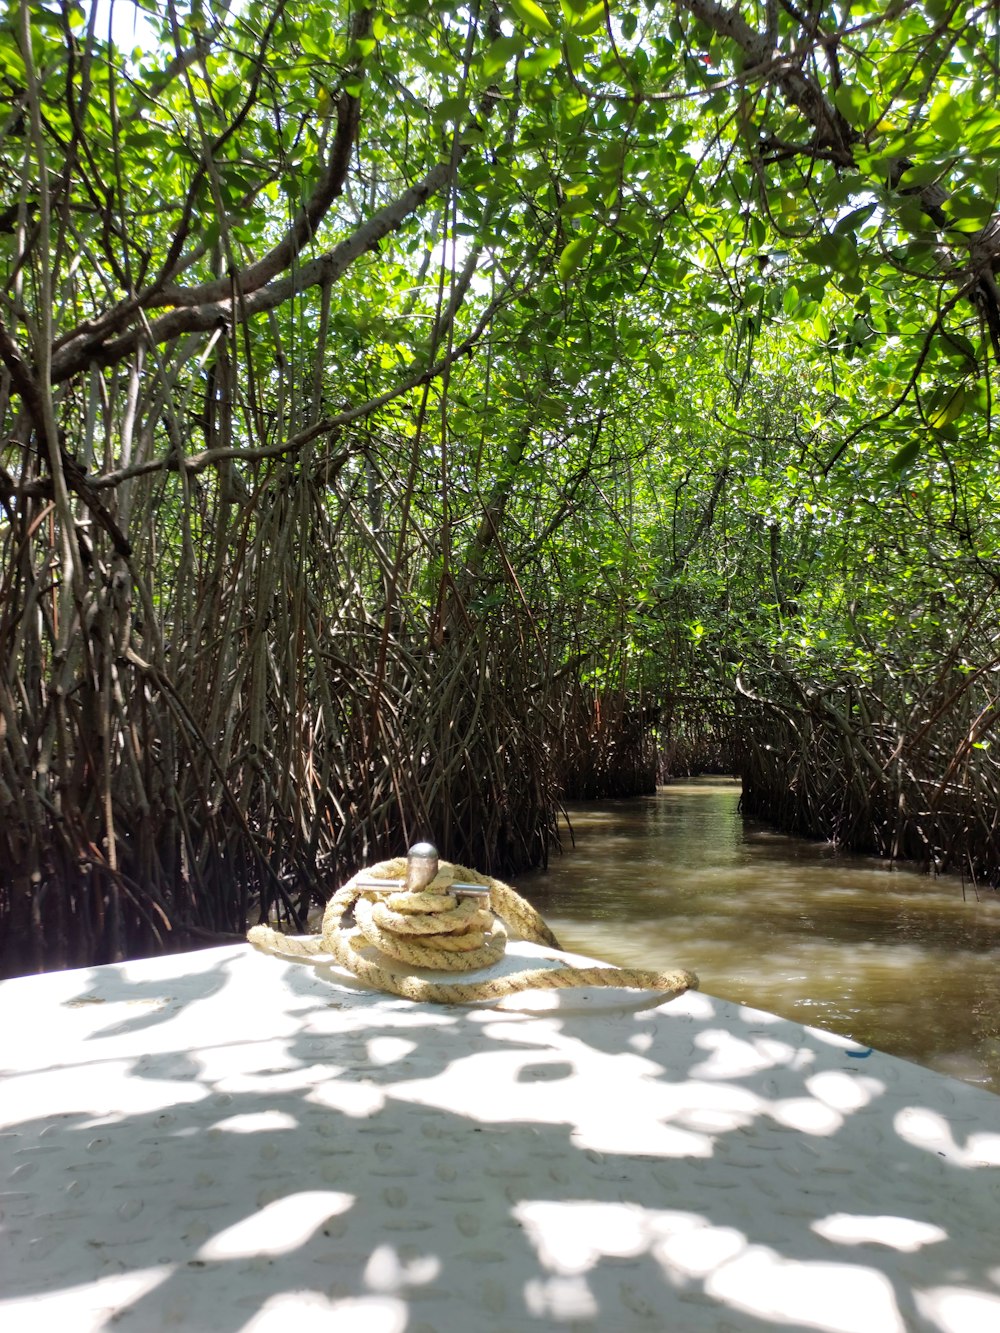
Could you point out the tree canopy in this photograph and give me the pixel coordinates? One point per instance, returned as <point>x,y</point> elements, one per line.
<point>413,412</point>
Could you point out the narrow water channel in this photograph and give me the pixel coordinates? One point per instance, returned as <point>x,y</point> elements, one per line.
<point>895,959</point>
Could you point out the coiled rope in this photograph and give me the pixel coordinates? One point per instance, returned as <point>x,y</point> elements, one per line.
<point>436,928</point>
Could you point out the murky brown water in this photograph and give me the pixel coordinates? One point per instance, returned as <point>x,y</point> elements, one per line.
<point>892,958</point>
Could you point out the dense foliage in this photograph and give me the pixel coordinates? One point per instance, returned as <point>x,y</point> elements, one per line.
<point>410,414</point>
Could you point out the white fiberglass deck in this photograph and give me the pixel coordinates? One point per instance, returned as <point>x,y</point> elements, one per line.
<point>225,1141</point>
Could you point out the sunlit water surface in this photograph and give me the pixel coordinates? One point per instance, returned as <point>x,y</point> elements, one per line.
<point>895,959</point>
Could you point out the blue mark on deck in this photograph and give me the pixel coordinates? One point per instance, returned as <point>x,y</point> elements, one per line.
<point>860,1055</point>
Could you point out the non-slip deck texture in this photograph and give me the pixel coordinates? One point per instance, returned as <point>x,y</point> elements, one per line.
<point>224,1141</point>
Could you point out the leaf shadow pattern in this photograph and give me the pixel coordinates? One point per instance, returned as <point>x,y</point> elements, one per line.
<point>282,1151</point>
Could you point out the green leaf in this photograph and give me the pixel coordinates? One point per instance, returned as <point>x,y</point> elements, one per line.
<point>907,455</point>
<point>970,208</point>
<point>923,173</point>
<point>945,405</point>
<point>837,252</point>
<point>634,222</point>
<point>958,348</point>
<point>572,105</point>
<point>532,14</point>
<point>572,256</point>
<point>576,50</point>
<point>589,21</point>
<point>541,60</point>
<point>500,53</point>
<point>946,117</point>
<point>853,220</point>
<point>855,105</point>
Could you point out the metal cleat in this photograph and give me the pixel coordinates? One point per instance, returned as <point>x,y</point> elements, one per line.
<point>479,892</point>
<point>422,864</point>
<point>380,885</point>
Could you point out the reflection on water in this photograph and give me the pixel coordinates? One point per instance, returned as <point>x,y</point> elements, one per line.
<point>892,958</point>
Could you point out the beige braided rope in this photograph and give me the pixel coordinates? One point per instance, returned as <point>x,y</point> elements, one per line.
<point>432,930</point>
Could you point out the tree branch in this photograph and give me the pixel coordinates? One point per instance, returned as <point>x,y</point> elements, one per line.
<point>172,462</point>
<point>830,126</point>
<point>976,277</point>
<point>301,231</point>
<point>277,260</point>
<point>87,348</point>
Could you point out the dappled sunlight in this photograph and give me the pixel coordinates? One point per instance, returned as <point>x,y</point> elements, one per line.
<point>33,1094</point>
<point>59,1306</point>
<point>468,1086</point>
<point>387,1271</point>
<point>695,1249</point>
<point>634,1107</point>
<point>368,1164</point>
<point>560,1299</point>
<point>843,1092</point>
<point>277,1227</point>
<point>351,1099</point>
<point>226,1070</point>
<point>806,1115</point>
<point>931,1130</point>
<point>835,1298</point>
<point>728,1056</point>
<point>899,1233</point>
<point>571,1238</point>
<point>255,1122</point>
<point>311,1312</point>
<point>949,1308</point>
<point>387,1050</point>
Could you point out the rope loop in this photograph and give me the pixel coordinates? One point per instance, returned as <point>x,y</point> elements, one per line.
<point>434,927</point>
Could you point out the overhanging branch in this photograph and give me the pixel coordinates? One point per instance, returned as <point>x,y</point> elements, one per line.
<point>87,349</point>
